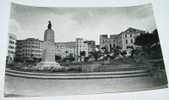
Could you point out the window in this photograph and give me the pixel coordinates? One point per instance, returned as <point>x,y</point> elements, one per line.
<point>131,40</point>
<point>125,35</point>
<point>11,47</point>
<point>11,42</point>
<point>130,35</point>
<point>126,41</point>
<point>114,45</point>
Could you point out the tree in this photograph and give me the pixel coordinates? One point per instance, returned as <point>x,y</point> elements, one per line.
<point>70,57</point>
<point>18,59</point>
<point>143,39</point>
<point>95,54</point>
<point>57,57</point>
<point>105,48</point>
<point>123,53</point>
<point>82,53</point>
<point>155,37</point>
<point>117,50</point>
<point>149,43</point>
<point>147,39</point>
<point>36,60</point>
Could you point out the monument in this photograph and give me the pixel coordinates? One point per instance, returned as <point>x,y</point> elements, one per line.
<point>48,55</point>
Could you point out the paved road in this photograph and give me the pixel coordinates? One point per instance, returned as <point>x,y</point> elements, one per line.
<point>17,86</point>
<point>20,86</point>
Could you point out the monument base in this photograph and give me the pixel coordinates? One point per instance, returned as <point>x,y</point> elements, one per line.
<point>48,65</point>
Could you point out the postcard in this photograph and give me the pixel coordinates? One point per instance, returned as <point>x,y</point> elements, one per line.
<point>82,50</point>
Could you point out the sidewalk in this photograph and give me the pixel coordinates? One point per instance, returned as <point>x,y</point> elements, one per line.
<point>90,75</point>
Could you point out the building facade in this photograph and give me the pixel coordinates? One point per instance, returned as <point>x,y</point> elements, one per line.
<point>91,45</point>
<point>109,42</point>
<point>74,48</point>
<point>81,46</point>
<point>65,49</point>
<point>11,48</point>
<point>127,38</point>
<point>124,40</point>
<point>32,48</point>
<point>29,49</point>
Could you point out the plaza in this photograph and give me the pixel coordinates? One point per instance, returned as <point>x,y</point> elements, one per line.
<point>83,51</point>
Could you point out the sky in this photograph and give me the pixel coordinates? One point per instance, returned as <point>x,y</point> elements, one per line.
<point>71,23</point>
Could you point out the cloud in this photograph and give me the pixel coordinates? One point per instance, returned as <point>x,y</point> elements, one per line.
<point>88,23</point>
<point>14,26</point>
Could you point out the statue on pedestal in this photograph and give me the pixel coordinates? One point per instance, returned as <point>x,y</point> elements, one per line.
<point>49,25</point>
<point>48,55</point>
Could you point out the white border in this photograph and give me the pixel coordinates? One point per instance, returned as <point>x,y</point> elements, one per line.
<point>161,11</point>
<point>81,3</point>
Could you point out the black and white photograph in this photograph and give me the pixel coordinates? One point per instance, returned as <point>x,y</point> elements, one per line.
<point>55,51</point>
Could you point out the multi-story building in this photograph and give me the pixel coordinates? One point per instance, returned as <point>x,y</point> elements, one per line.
<point>11,48</point>
<point>127,38</point>
<point>81,46</point>
<point>104,41</point>
<point>33,48</point>
<point>29,48</point>
<point>123,40</point>
<point>64,49</point>
<point>91,45</point>
<point>108,42</point>
<point>81,49</point>
<point>74,48</point>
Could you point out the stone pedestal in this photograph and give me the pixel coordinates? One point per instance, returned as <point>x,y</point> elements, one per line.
<point>48,52</point>
<point>48,56</point>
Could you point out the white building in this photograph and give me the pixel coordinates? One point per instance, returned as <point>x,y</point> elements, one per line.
<point>11,48</point>
<point>29,48</point>
<point>64,49</point>
<point>75,48</point>
<point>124,40</point>
<point>32,48</point>
<point>81,46</point>
<point>91,45</point>
<point>108,42</point>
